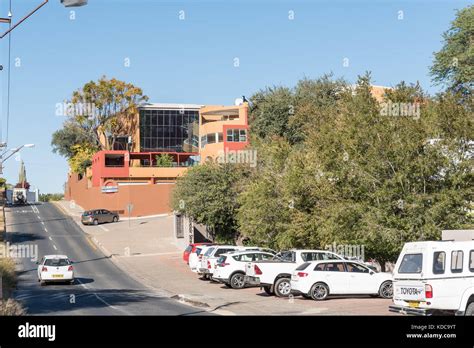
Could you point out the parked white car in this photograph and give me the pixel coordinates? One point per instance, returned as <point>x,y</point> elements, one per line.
<point>55,268</point>
<point>319,279</point>
<point>434,276</point>
<point>209,259</point>
<point>274,275</point>
<point>195,257</point>
<point>230,267</point>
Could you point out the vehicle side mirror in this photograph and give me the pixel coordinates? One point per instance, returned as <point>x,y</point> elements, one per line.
<point>371,272</point>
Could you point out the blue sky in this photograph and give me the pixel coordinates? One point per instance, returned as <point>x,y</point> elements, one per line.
<point>192,60</point>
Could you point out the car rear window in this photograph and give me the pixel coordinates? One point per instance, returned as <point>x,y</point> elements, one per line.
<point>439,262</point>
<point>411,263</point>
<point>189,248</point>
<point>222,259</point>
<point>57,262</point>
<point>302,266</point>
<point>456,261</point>
<point>198,251</point>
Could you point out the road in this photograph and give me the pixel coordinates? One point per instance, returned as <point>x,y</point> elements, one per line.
<point>100,288</point>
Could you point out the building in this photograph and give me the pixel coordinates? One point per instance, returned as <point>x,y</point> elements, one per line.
<point>136,178</point>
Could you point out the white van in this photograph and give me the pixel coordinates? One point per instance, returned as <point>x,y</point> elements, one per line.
<point>434,277</point>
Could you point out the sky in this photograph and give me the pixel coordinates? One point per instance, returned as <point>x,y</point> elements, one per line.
<point>202,52</point>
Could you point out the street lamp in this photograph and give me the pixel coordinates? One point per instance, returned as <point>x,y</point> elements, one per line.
<point>66,3</point>
<point>14,151</point>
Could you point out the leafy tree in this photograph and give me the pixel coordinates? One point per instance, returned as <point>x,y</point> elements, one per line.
<point>48,197</point>
<point>164,160</point>
<point>111,109</point>
<point>82,158</point>
<point>270,110</point>
<point>453,65</point>
<point>71,134</point>
<point>207,193</point>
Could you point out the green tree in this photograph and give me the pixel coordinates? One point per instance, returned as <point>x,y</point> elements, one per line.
<point>164,160</point>
<point>453,65</point>
<point>207,193</point>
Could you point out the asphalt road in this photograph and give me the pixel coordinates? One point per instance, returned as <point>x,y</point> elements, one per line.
<point>100,288</point>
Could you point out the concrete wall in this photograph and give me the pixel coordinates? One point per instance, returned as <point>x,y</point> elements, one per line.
<point>146,199</point>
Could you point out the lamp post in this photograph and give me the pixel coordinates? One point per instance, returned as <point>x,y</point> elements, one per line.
<point>14,151</point>
<point>66,3</point>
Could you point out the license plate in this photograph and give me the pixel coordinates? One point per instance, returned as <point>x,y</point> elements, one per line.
<point>57,275</point>
<point>413,304</point>
<point>408,293</point>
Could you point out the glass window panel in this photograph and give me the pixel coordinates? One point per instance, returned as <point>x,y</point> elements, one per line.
<point>211,138</point>
<point>221,138</point>
<point>236,135</point>
<point>243,135</point>
<point>229,135</point>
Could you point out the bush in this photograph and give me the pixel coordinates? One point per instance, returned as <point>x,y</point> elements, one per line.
<point>11,308</point>
<point>7,271</point>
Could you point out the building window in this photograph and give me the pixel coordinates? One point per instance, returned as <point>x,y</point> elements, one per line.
<point>237,135</point>
<point>169,130</point>
<point>211,138</point>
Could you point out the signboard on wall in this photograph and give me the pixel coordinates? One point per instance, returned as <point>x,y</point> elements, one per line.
<point>109,189</point>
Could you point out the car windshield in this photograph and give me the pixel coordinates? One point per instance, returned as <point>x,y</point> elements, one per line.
<point>57,262</point>
<point>86,213</point>
<point>411,263</point>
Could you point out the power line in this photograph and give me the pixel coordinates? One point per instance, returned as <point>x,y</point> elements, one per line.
<point>9,71</point>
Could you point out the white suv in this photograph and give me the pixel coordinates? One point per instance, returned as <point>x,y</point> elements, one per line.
<point>195,257</point>
<point>230,267</point>
<point>208,260</point>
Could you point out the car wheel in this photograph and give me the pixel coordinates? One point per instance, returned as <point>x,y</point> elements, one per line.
<point>115,219</point>
<point>282,287</point>
<point>469,310</point>
<point>386,289</point>
<point>319,292</point>
<point>237,281</point>
<point>96,222</point>
<point>268,290</point>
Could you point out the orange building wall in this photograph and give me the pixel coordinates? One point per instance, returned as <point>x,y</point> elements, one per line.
<point>146,199</point>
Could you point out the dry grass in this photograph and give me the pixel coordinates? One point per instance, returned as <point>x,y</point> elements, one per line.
<point>11,308</point>
<point>7,272</point>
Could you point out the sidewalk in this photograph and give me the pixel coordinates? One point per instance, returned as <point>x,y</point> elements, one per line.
<point>147,250</point>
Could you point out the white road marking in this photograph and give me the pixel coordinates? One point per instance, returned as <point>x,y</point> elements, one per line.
<point>50,238</point>
<point>42,223</point>
<point>45,229</point>
<point>54,246</point>
<point>102,227</point>
<point>101,299</point>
